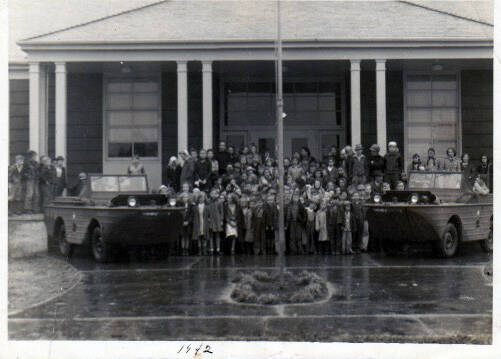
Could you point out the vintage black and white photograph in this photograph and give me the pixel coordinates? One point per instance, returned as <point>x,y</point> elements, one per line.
<point>252,170</point>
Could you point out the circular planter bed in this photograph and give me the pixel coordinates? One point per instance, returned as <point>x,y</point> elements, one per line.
<point>265,288</point>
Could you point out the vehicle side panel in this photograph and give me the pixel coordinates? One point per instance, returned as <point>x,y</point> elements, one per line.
<point>119,225</point>
<point>475,221</point>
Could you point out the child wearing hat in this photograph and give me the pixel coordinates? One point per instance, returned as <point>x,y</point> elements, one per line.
<point>321,227</point>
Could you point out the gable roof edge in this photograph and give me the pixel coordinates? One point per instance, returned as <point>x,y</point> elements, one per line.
<point>410,3</point>
<point>92,21</point>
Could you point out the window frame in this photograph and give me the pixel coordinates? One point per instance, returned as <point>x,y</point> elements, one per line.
<point>111,78</point>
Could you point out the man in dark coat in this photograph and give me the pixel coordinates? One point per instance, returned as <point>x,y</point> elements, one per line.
<point>46,178</point>
<point>188,169</point>
<point>222,157</point>
<point>203,169</point>
<point>32,194</point>
<point>59,182</point>
<point>17,183</point>
<point>376,162</point>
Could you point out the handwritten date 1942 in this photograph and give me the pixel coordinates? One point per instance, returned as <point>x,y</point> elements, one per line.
<point>185,349</point>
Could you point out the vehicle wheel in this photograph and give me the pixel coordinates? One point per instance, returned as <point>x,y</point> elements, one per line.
<point>447,245</point>
<point>100,249</point>
<point>487,243</point>
<point>65,248</point>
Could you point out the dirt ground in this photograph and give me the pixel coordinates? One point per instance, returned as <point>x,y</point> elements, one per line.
<point>37,279</point>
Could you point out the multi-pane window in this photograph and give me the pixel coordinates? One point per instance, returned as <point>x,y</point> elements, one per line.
<point>432,114</point>
<point>132,114</point>
<point>253,103</point>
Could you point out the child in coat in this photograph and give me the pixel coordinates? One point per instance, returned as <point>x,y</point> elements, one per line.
<point>215,222</point>
<point>296,217</point>
<point>393,165</point>
<point>321,228</point>
<point>259,227</point>
<point>200,227</point>
<point>332,225</point>
<point>187,228</point>
<point>309,245</point>
<point>271,225</point>
<point>358,215</point>
<point>246,230</point>
<point>347,228</point>
<point>232,218</point>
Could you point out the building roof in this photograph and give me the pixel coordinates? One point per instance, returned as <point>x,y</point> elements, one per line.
<point>246,20</point>
<point>28,18</point>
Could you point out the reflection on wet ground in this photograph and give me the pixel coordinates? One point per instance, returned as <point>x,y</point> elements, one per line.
<point>377,298</point>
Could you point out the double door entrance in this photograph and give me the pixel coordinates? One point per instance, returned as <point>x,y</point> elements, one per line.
<point>318,141</point>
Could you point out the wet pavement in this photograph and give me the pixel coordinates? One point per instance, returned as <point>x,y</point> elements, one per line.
<point>414,298</point>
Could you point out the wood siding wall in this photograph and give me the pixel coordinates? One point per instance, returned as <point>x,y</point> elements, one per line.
<point>18,117</point>
<point>477,113</point>
<point>85,124</point>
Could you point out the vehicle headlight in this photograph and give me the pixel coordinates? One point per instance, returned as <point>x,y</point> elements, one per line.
<point>172,202</point>
<point>377,198</point>
<point>414,199</point>
<point>132,201</point>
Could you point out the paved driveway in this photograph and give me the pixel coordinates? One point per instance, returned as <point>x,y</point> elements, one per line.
<point>376,298</point>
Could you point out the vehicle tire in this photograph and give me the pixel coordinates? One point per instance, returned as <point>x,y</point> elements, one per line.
<point>65,248</point>
<point>100,249</point>
<point>448,244</point>
<point>487,243</point>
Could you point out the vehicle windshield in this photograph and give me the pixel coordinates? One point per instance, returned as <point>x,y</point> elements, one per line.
<point>108,183</point>
<point>435,180</point>
<point>132,184</point>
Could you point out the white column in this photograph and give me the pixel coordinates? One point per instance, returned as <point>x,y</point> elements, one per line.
<point>61,113</point>
<point>356,127</point>
<point>381,104</point>
<point>207,103</point>
<point>182,106</point>
<point>38,124</point>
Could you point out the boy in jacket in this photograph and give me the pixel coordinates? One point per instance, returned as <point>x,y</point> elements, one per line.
<point>393,165</point>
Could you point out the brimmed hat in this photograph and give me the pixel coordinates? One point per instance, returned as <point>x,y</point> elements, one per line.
<point>358,147</point>
<point>374,147</point>
<point>360,187</point>
<point>59,158</point>
<point>392,143</point>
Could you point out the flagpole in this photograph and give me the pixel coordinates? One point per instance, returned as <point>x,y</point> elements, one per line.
<point>280,140</point>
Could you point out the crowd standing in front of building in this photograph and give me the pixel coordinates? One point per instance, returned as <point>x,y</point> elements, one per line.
<point>230,197</point>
